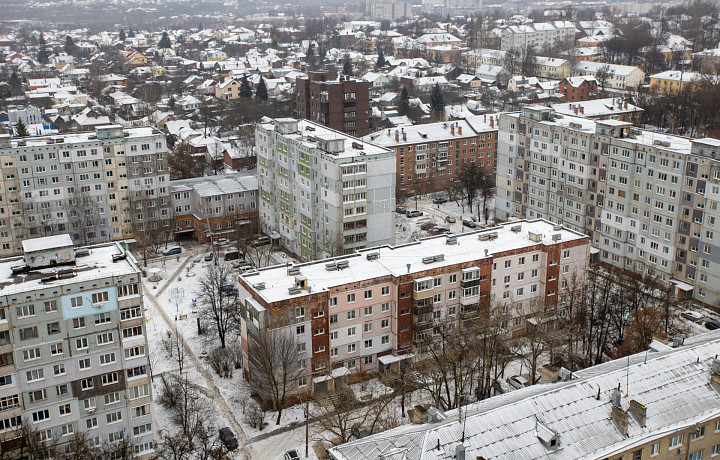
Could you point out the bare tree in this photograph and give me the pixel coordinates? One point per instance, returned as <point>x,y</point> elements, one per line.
<point>340,414</point>
<point>274,362</point>
<point>189,408</point>
<point>183,163</point>
<point>174,347</point>
<point>218,307</point>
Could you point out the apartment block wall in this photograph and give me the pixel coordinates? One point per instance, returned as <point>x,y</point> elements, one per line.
<point>96,187</point>
<point>322,202</point>
<point>78,368</point>
<point>649,206</point>
<point>354,324</point>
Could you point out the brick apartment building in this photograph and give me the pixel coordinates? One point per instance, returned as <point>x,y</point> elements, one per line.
<point>578,88</point>
<point>362,312</point>
<point>340,102</point>
<point>431,156</point>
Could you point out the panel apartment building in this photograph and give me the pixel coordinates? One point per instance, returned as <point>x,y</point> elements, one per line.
<point>541,36</point>
<point>431,156</point>
<point>340,102</point>
<point>73,345</point>
<point>96,186</point>
<point>648,201</point>
<point>321,191</point>
<point>361,312</point>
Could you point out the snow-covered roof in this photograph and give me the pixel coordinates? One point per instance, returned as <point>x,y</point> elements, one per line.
<point>47,242</point>
<point>223,184</point>
<point>394,260</point>
<point>596,107</point>
<point>616,69</point>
<point>671,384</point>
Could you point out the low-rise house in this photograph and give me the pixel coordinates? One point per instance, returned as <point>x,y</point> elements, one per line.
<point>674,81</point>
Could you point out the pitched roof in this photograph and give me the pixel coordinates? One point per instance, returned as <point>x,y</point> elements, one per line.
<point>673,385</point>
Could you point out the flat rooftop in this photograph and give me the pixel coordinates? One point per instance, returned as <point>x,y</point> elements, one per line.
<point>78,138</point>
<point>309,133</point>
<point>221,184</point>
<point>92,262</point>
<point>677,144</point>
<point>394,260</point>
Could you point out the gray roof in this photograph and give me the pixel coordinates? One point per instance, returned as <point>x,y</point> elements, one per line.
<point>673,385</point>
<point>222,184</point>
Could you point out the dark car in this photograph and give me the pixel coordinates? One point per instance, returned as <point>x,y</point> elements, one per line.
<point>469,223</point>
<point>400,210</point>
<point>208,257</point>
<point>227,437</point>
<point>292,455</point>
<point>712,325</point>
<point>231,254</point>
<point>439,201</point>
<point>442,230</point>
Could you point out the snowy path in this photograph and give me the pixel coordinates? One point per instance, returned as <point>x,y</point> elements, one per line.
<point>212,390</point>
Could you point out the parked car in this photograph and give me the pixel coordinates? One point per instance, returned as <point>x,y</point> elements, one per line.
<point>518,381</point>
<point>172,251</point>
<point>442,230</point>
<point>292,455</point>
<point>469,223</point>
<point>439,201</point>
<point>427,225</point>
<point>231,254</point>
<point>239,263</point>
<point>692,315</point>
<point>227,287</point>
<point>260,241</point>
<point>208,257</point>
<point>450,219</point>
<point>414,213</point>
<point>228,438</point>
<point>712,325</point>
<point>245,268</point>
<point>221,242</point>
<point>400,210</point>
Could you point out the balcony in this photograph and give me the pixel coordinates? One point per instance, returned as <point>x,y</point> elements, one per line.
<point>423,288</point>
<point>469,300</point>
<point>466,313</point>
<point>423,326</point>
<point>422,309</point>
<point>469,283</point>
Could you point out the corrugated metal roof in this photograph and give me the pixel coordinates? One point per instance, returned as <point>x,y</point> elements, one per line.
<point>672,384</point>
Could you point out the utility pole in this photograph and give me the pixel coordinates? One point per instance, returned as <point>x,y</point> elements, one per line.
<point>307,427</point>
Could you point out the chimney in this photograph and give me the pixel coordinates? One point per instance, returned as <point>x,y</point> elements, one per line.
<point>715,373</point>
<point>639,411</point>
<point>404,136</point>
<point>492,123</point>
<point>460,452</point>
<point>397,136</point>
<point>452,130</point>
<point>582,110</point>
<point>625,104</point>
<point>575,109</point>
<point>459,130</point>
<point>617,414</point>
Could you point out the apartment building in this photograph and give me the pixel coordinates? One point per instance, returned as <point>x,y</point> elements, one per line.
<point>391,10</point>
<point>430,157</point>
<point>219,205</point>
<point>540,36</point>
<point>670,410</point>
<point>611,76</point>
<point>74,346</point>
<point>97,187</point>
<point>361,312</point>
<point>340,102</point>
<point>321,191</point>
<point>648,201</point>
